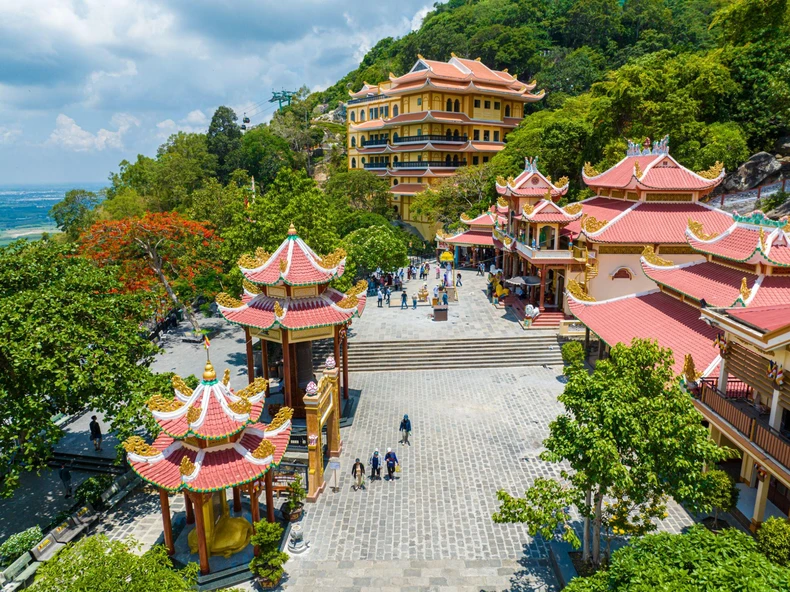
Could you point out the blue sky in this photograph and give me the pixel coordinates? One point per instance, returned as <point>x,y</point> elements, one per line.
<point>85,84</point>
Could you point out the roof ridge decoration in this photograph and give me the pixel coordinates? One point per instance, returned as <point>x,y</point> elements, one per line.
<point>225,300</point>
<point>652,258</point>
<point>136,445</point>
<point>590,170</point>
<point>762,240</point>
<point>744,291</point>
<point>531,165</point>
<point>249,261</point>
<point>465,219</point>
<point>187,467</point>
<point>527,209</point>
<point>658,147</point>
<point>591,225</point>
<point>689,371</point>
<point>573,209</point>
<point>698,232</point>
<point>180,386</point>
<point>159,403</point>
<point>578,292</point>
<point>250,287</point>
<point>501,201</point>
<point>638,171</point>
<point>758,218</point>
<point>713,172</point>
<point>278,310</point>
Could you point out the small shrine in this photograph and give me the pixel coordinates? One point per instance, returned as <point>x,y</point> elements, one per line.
<point>287,300</point>
<point>210,442</point>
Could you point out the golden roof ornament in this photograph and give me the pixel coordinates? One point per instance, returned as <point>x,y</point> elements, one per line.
<point>226,377</point>
<point>419,56</point>
<point>578,292</point>
<point>187,466</point>
<point>713,172</point>
<point>209,373</point>
<point>562,181</point>
<point>500,180</point>
<point>258,386</point>
<point>652,257</point>
<point>528,209</point>
<point>333,259</point>
<point>591,224</point>
<point>745,291</point>
<point>698,231</point>
<point>225,300</point>
<point>282,416</point>
<point>292,230</point>
<point>283,265</point>
<point>465,218</point>
<point>547,196</point>
<point>180,386</point>
<point>250,287</point>
<point>264,450</point>
<point>358,288</point>
<point>162,404</point>
<point>501,201</point>
<point>573,209</point>
<point>689,371</point>
<point>637,170</point>
<point>548,178</point>
<point>193,414</point>
<point>248,261</point>
<point>348,301</point>
<point>762,239</point>
<point>590,171</point>
<point>136,445</point>
<point>278,310</point>
<point>242,406</point>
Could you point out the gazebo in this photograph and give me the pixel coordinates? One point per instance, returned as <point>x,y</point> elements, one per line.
<point>211,441</point>
<point>287,300</point>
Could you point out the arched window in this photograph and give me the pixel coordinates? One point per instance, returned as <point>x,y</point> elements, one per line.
<point>456,135</point>
<point>507,110</point>
<point>362,140</point>
<point>395,159</point>
<point>447,160</point>
<point>362,115</point>
<point>353,163</point>
<point>419,131</point>
<point>363,161</point>
<point>457,106</point>
<point>353,116</point>
<point>395,181</point>
<point>455,160</point>
<point>353,142</point>
<point>449,135</point>
<point>395,137</point>
<point>449,105</point>
<point>395,111</point>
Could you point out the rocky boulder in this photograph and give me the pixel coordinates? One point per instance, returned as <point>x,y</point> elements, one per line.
<point>752,173</point>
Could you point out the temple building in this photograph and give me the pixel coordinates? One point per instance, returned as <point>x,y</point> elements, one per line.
<point>419,128</point>
<point>474,245</point>
<point>211,441</point>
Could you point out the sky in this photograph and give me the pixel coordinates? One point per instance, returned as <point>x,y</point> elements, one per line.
<point>85,84</point>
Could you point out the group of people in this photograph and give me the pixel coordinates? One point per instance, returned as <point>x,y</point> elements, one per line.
<point>390,460</point>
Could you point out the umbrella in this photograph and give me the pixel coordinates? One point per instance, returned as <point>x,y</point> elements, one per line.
<point>529,280</point>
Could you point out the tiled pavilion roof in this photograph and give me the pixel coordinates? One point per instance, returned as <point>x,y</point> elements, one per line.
<point>531,183</point>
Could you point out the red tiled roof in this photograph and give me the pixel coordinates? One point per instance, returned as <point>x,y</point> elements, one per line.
<point>774,290</point>
<point>484,219</point>
<point>480,238</point>
<point>778,251</point>
<point>601,208</point>
<point>408,188</point>
<point>486,146</point>
<point>547,211</point>
<point>653,315</point>
<point>765,318</point>
<point>658,172</point>
<point>531,182</point>
<point>717,284</point>
<point>653,222</point>
<point>303,266</point>
<point>738,243</point>
<point>216,468</point>
<point>514,121</point>
<point>298,313</point>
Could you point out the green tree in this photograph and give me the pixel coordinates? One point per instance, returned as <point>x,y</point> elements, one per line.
<point>722,494</point>
<point>224,142</point>
<point>71,340</point>
<point>360,189</point>
<point>696,561</point>
<point>97,564</point>
<point>469,191</point>
<point>593,22</point>
<point>184,164</point>
<point>630,433</point>
<point>125,203</point>
<point>221,206</point>
<point>639,15</point>
<point>264,153</point>
<point>376,246</point>
<point>75,212</point>
<point>773,540</point>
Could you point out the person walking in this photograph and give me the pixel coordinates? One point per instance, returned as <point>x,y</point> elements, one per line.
<point>388,295</point>
<point>438,270</point>
<point>392,462</point>
<point>380,295</point>
<point>403,300</point>
<point>95,434</point>
<point>414,300</point>
<point>405,430</point>
<point>481,268</point>
<point>358,472</point>
<point>375,465</point>
<point>436,291</point>
<point>65,477</point>
<point>445,298</point>
<point>458,280</point>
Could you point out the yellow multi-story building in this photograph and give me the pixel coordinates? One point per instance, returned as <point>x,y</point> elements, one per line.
<point>419,128</point>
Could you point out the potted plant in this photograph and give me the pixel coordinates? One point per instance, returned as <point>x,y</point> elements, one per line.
<point>294,507</point>
<point>267,566</point>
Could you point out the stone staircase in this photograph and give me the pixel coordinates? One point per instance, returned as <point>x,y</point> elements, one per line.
<point>532,349</point>
<point>547,320</point>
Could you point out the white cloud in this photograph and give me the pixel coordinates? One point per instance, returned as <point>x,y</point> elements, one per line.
<point>195,122</point>
<point>9,135</point>
<point>196,117</point>
<point>416,20</point>
<point>67,134</point>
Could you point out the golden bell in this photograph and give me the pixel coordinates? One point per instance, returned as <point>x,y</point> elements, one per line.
<point>209,373</point>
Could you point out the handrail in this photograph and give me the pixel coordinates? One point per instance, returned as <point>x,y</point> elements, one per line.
<point>430,138</point>
<point>376,165</point>
<point>377,142</point>
<point>421,164</point>
<point>365,99</point>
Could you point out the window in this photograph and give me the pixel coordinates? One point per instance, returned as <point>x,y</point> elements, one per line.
<point>362,115</point>
<point>456,135</point>
<point>419,101</point>
<point>475,160</point>
<point>395,159</point>
<point>457,106</point>
<point>395,181</point>
<point>394,110</point>
<point>353,163</point>
<point>476,135</point>
<point>386,109</point>
<point>485,159</point>
<point>449,105</point>
<point>353,116</point>
<point>447,160</point>
<point>375,113</point>
<point>486,136</point>
<point>455,160</point>
<point>353,142</point>
<point>488,104</point>
<point>419,131</point>
<point>477,103</point>
<point>419,158</point>
<point>363,160</point>
<point>362,140</point>
<point>370,113</point>
<point>497,105</point>
<point>507,110</point>
<point>496,136</point>
<point>395,137</point>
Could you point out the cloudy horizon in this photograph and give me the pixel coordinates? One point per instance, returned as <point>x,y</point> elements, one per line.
<point>86,84</point>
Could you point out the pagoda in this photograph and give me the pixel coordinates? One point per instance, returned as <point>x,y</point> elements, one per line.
<point>211,441</point>
<point>475,244</point>
<point>287,300</point>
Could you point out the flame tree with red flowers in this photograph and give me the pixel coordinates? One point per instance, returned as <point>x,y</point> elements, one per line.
<point>163,250</point>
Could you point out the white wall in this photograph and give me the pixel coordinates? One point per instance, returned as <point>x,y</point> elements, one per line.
<point>604,287</point>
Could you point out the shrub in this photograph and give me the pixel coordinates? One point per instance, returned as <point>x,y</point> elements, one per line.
<point>268,565</point>
<point>722,494</point>
<point>296,494</point>
<point>773,540</point>
<point>20,543</point>
<point>91,489</point>
<point>573,353</point>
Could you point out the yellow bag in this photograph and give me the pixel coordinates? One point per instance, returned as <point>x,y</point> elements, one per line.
<point>397,468</point>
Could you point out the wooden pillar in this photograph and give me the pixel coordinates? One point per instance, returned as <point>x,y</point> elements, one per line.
<point>586,342</point>
<point>723,376</point>
<point>167,525</point>
<point>265,361</point>
<point>236,499</point>
<point>542,287</point>
<point>255,511</point>
<point>250,357</point>
<point>760,502</point>
<point>190,509</point>
<point>336,344</point>
<point>201,533</point>
<point>269,496</point>
<point>286,369</point>
<point>345,362</point>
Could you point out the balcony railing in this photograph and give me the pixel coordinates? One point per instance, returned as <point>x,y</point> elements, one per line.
<point>430,138</point>
<point>377,165</point>
<point>528,251</point>
<point>365,99</point>
<point>746,420</point>
<point>421,164</point>
<point>377,142</point>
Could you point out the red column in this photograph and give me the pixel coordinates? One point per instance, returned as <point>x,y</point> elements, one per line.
<point>265,361</point>
<point>236,499</point>
<point>337,344</point>
<point>269,496</point>
<point>345,362</point>
<point>255,510</point>
<point>250,358</point>
<point>190,509</point>
<point>542,286</point>
<point>166,524</point>
<point>201,533</point>
<point>286,369</point>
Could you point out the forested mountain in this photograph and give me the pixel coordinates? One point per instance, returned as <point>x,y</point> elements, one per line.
<point>713,74</point>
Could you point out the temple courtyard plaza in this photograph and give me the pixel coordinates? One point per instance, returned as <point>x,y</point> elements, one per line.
<point>474,431</point>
